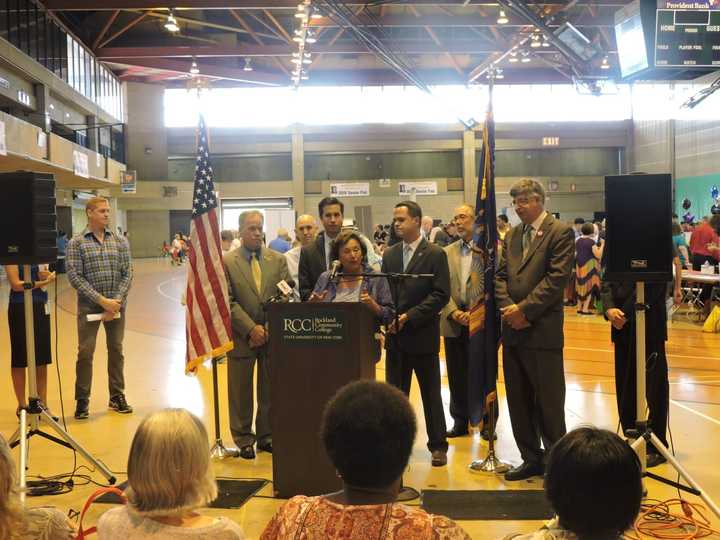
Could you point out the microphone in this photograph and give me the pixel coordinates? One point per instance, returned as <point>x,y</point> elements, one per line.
<point>334,268</point>
<point>286,290</point>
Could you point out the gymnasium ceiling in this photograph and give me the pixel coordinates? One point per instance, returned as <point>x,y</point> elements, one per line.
<point>434,41</point>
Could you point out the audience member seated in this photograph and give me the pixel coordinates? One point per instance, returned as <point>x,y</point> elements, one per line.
<point>368,430</point>
<point>169,477</point>
<point>593,483</point>
<point>18,523</point>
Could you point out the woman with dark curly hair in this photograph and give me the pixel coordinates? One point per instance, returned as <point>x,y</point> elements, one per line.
<point>350,250</point>
<point>594,483</point>
<point>368,430</point>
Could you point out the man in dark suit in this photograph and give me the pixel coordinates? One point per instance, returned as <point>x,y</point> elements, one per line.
<point>415,345</point>
<point>619,300</point>
<point>315,258</point>
<point>535,265</point>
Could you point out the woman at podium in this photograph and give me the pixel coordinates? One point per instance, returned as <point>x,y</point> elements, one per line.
<point>346,282</point>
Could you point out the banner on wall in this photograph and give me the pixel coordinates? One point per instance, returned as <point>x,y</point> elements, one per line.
<point>128,181</point>
<point>354,189</point>
<point>418,188</point>
<point>3,147</point>
<point>80,164</point>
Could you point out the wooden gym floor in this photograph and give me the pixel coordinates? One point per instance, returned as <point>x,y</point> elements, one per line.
<point>154,350</point>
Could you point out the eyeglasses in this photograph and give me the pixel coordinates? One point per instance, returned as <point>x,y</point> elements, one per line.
<point>522,202</point>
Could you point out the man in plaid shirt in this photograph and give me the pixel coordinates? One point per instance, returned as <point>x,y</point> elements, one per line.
<point>98,267</point>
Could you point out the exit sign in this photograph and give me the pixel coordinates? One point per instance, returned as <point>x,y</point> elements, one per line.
<point>551,141</point>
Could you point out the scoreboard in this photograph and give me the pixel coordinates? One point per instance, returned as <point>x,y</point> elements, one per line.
<point>688,34</point>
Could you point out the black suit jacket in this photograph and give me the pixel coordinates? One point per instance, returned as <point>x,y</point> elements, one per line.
<point>536,283</point>
<point>311,265</point>
<point>422,299</point>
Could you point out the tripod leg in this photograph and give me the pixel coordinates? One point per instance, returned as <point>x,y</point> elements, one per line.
<point>99,465</point>
<point>660,447</point>
<point>23,435</point>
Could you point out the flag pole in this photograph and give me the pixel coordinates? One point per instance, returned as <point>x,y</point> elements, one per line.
<point>218,450</point>
<point>491,464</point>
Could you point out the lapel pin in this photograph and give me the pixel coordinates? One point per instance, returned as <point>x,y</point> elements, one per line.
<point>539,234</point>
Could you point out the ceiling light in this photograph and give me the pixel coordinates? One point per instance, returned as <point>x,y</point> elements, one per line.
<point>310,38</point>
<point>304,76</point>
<point>301,7</point>
<point>171,24</point>
<point>316,14</point>
<point>525,57</point>
<point>502,18</point>
<point>605,64</point>
<point>499,74</point>
<point>298,39</point>
<point>248,65</point>
<point>513,57</point>
<point>194,69</point>
<point>301,15</point>
<point>296,61</point>
<point>307,60</point>
<point>545,42</point>
<point>535,41</point>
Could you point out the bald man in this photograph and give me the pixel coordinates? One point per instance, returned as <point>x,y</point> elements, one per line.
<point>305,233</point>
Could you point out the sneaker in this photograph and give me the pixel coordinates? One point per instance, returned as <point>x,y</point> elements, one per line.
<point>118,404</point>
<point>82,410</point>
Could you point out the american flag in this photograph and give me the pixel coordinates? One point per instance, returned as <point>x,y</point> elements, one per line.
<point>207,319</point>
<point>484,328</point>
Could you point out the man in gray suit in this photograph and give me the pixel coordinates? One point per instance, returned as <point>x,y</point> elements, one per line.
<point>535,265</point>
<point>455,317</point>
<point>253,273</point>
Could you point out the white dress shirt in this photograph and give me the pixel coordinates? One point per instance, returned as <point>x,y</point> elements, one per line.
<point>413,247</point>
<point>328,245</point>
<point>537,224</point>
<point>465,267</point>
<point>293,261</point>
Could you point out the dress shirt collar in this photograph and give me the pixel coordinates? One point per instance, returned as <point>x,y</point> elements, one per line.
<point>248,253</point>
<point>413,245</point>
<point>539,221</point>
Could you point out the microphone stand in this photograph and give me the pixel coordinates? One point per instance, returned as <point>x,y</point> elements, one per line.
<point>406,493</point>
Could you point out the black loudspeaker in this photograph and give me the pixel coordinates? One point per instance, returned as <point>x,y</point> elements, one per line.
<point>639,228</point>
<point>28,233</point>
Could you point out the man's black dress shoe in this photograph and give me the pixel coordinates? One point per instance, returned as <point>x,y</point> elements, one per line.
<point>524,471</point>
<point>265,447</point>
<point>456,431</point>
<point>247,452</point>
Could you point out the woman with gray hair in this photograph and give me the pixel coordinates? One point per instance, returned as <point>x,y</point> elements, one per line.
<point>169,477</point>
<point>18,523</point>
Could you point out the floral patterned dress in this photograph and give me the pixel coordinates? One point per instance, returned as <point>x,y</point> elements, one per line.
<point>317,518</point>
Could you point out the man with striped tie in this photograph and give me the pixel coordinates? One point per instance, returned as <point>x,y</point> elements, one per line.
<point>535,264</point>
<point>253,272</point>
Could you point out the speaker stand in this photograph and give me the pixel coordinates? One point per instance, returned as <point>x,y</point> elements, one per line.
<point>29,425</point>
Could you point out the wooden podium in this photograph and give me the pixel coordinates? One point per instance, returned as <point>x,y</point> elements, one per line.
<point>315,349</point>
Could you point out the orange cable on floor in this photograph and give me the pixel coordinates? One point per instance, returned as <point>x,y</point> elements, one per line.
<point>657,520</point>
